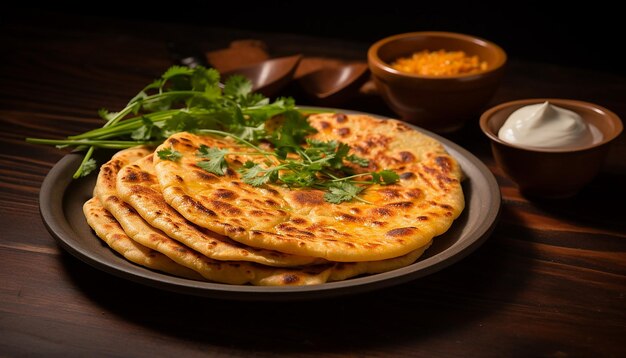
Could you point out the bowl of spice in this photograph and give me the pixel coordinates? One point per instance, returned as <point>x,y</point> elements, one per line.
<point>550,147</point>
<point>436,80</point>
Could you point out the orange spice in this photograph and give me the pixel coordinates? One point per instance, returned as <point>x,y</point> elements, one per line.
<point>440,63</point>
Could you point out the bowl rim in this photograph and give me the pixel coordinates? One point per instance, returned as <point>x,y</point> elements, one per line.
<point>359,69</point>
<point>488,114</point>
<point>374,59</point>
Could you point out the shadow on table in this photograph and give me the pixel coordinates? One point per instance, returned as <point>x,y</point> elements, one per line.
<point>454,299</point>
<point>599,205</point>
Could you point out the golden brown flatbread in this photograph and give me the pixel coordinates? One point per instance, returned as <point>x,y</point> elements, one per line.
<point>142,243</point>
<point>107,174</point>
<point>110,231</point>
<point>345,270</point>
<point>238,273</point>
<point>137,186</point>
<point>397,219</point>
<point>147,237</point>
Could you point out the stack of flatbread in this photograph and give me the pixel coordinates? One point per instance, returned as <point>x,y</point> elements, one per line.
<point>174,217</point>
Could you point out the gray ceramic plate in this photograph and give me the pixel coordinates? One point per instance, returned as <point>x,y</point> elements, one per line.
<point>61,199</point>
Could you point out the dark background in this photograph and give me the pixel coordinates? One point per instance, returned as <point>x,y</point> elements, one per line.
<point>588,36</point>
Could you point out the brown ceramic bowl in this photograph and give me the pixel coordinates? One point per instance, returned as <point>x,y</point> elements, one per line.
<point>551,172</point>
<point>438,103</point>
<point>331,86</point>
<point>268,77</point>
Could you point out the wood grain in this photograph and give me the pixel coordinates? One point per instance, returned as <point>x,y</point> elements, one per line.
<point>551,280</point>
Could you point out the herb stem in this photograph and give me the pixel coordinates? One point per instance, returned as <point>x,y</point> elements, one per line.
<point>353,176</point>
<point>79,171</point>
<point>196,102</point>
<point>119,116</point>
<point>251,153</point>
<point>111,144</point>
<point>134,105</point>
<point>127,126</point>
<point>327,173</point>
<point>239,139</point>
<point>303,154</point>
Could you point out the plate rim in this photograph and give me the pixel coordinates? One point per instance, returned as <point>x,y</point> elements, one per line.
<point>57,182</point>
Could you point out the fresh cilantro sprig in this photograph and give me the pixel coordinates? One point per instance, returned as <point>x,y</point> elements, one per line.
<point>321,165</point>
<point>169,154</point>
<point>215,159</point>
<point>342,191</point>
<point>193,100</point>
<point>182,99</point>
<point>256,175</point>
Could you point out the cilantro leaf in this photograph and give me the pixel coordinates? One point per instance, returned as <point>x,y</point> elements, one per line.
<point>301,178</point>
<point>106,115</point>
<point>316,143</point>
<point>288,136</point>
<point>156,84</point>
<point>333,151</point>
<point>216,162</point>
<point>147,131</point>
<point>237,86</point>
<point>176,71</point>
<point>385,177</point>
<point>207,81</point>
<point>192,100</point>
<point>255,100</point>
<point>342,191</point>
<point>249,164</point>
<point>169,154</point>
<point>318,149</point>
<point>362,162</point>
<point>259,108</point>
<point>251,134</point>
<point>256,175</point>
<point>87,167</point>
<point>180,122</point>
<point>337,161</point>
<point>177,77</point>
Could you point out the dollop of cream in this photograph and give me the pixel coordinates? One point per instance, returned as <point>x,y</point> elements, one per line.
<point>545,125</point>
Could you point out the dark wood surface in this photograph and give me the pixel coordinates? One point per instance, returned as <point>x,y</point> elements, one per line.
<point>550,281</point>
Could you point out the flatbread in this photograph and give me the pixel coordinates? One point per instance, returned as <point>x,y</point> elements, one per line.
<point>110,231</point>
<point>398,219</point>
<point>141,232</point>
<point>147,237</point>
<point>238,273</point>
<point>141,243</point>
<point>137,185</point>
<point>345,270</point>
<point>107,174</point>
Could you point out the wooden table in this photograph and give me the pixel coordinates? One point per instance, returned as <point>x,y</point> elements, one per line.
<point>550,281</point>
